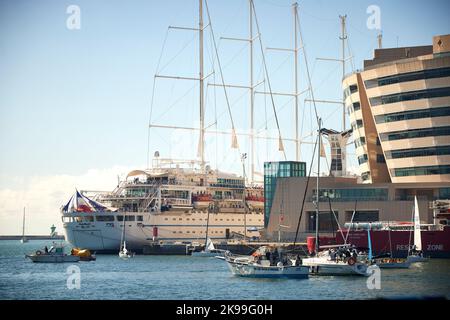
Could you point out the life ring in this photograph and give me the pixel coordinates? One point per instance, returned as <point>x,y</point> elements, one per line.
<point>351,261</point>
<point>38,253</point>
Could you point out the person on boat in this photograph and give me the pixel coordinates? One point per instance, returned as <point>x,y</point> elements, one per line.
<point>46,249</point>
<point>276,256</point>
<point>332,255</point>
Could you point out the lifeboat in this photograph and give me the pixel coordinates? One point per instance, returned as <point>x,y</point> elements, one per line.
<point>202,200</point>
<point>83,254</point>
<point>255,201</point>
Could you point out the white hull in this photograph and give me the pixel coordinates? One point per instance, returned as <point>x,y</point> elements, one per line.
<point>49,258</point>
<point>206,254</point>
<point>172,227</point>
<point>413,259</point>
<point>258,271</point>
<point>320,266</point>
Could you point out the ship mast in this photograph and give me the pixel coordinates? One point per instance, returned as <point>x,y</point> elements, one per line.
<point>201,80</point>
<point>252,133</point>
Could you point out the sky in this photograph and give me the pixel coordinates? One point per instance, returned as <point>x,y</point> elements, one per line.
<point>75,104</point>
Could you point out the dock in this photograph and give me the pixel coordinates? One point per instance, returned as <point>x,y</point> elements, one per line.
<point>34,237</point>
<point>236,247</point>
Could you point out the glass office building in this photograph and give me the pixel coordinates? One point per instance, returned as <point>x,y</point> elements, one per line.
<point>273,171</point>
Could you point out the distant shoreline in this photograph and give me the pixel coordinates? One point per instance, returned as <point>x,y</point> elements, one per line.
<point>36,237</point>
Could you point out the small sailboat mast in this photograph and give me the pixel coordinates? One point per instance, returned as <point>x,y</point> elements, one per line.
<point>319,142</point>
<point>24,239</point>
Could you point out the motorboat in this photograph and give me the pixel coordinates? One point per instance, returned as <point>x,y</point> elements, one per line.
<point>54,255</point>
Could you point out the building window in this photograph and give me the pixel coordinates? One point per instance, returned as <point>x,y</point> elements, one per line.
<point>412,95</point>
<point>357,124</point>
<point>362,216</point>
<point>413,114</point>
<point>444,193</point>
<point>360,142</point>
<point>416,133</point>
<point>418,152</point>
<point>420,171</point>
<point>380,158</point>
<point>356,106</point>
<point>413,76</point>
<point>365,176</point>
<point>362,159</point>
<point>357,194</point>
<point>327,221</point>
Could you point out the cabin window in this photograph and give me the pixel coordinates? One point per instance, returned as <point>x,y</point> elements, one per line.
<point>130,218</point>
<point>166,219</point>
<point>67,219</point>
<point>139,218</point>
<point>105,218</point>
<point>119,218</point>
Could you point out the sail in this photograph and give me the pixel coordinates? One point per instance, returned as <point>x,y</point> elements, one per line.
<point>417,234</point>
<point>369,242</point>
<point>210,245</point>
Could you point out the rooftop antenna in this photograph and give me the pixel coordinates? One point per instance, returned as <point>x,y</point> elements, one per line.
<point>380,39</point>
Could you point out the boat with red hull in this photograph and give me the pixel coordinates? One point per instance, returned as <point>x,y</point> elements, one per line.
<point>435,241</point>
<point>399,236</point>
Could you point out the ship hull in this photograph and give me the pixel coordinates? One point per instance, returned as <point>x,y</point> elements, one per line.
<point>435,244</point>
<point>105,237</point>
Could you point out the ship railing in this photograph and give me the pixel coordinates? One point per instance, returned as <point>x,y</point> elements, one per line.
<point>151,196</point>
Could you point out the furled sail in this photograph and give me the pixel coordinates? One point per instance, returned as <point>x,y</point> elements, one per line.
<point>80,203</point>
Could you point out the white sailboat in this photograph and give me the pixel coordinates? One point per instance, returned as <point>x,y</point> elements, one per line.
<point>124,253</point>
<point>24,238</point>
<point>326,262</point>
<point>258,265</point>
<point>416,255</point>
<point>209,251</point>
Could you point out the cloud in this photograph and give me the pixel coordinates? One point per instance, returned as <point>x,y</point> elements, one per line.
<point>44,195</point>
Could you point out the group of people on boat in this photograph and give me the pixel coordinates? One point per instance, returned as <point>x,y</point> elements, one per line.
<point>275,257</point>
<point>343,254</point>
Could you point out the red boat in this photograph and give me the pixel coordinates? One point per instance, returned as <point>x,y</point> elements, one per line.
<point>435,237</point>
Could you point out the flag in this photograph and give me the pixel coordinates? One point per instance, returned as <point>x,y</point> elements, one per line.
<point>234,142</point>
<point>322,149</point>
<point>280,144</point>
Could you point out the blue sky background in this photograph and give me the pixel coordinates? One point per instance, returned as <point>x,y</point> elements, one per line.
<point>78,100</point>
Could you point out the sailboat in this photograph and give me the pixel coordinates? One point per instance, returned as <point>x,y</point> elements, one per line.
<point>209,250</point>
<point>416,254</point>
<point>24,239</point>
<point>124,253</point>
<point>391,262</point>
<point>327,262</point>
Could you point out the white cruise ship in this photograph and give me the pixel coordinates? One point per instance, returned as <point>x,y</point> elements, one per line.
<point>166,203</point>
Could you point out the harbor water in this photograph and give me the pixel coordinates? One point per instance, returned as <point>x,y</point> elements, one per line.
<point>185,277</point>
